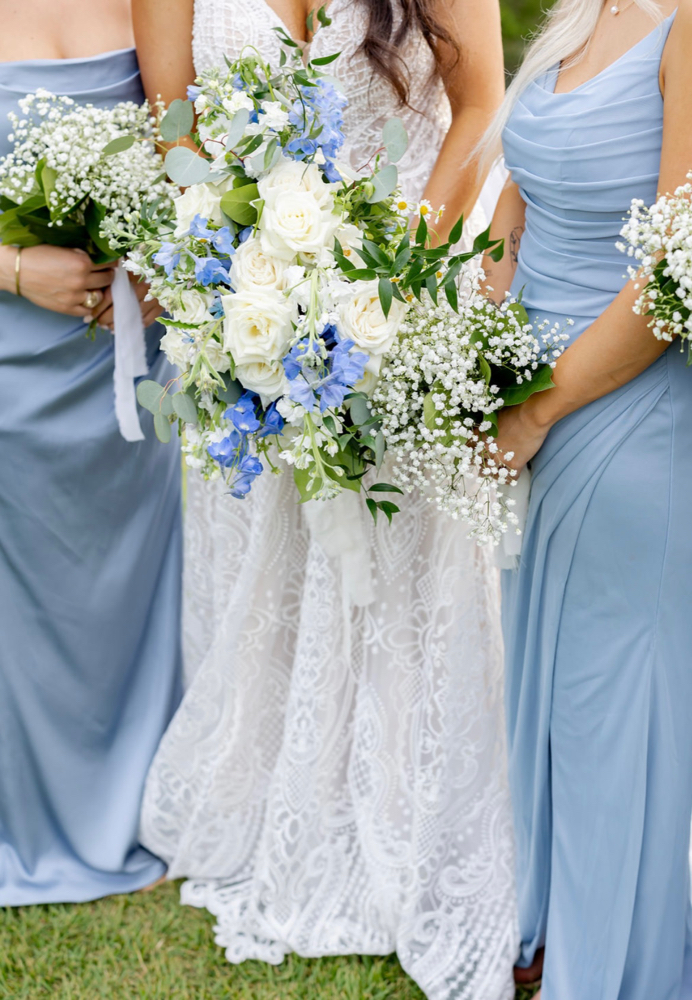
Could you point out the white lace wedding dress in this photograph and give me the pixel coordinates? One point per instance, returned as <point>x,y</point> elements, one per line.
<point>334,781</point>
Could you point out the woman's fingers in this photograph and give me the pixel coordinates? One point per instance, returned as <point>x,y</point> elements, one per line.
<point>99,278</point>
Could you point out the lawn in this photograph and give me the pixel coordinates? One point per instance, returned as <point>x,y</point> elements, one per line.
<point>149,946</point>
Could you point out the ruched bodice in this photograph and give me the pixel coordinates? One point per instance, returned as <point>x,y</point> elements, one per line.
<point>90,567</point>
<point>579,159</point>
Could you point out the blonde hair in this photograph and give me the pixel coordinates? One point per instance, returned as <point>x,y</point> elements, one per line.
<point>568,29</point>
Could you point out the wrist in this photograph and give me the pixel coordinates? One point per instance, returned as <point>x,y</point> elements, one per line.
<point>8,263</point>
<point>541,410</point>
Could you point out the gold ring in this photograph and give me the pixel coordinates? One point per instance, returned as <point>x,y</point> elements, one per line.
<point>92,299</point>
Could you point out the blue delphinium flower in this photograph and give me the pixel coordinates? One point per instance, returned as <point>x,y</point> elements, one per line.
<point>319,116</point>
<point>311,379</point>
<point>193,92</point>
<point>243,414</point>
<point>211,271</point>
<point>199,228</point>
<point>295,359</point>
<point>230,450</point>
<point>273,422</point>
<point>168,257</point>
<point>216,308</point>
<point>249,468</point>
<point>223,242</point>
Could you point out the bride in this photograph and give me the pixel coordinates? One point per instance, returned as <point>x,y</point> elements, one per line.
<point>334,781</point>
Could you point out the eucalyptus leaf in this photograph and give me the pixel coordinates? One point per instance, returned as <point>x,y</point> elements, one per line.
<point>162,427</point>
<point>380,448</point>
<point>301,478</point>
<point>360,410</point>
<point>178,121</point>
<point>239,123</point>
<point>384,183</point>
<point>232,390</point>
<point>149,395</point>
<point>395,139</point>
<point>184,407</point>
<point>119,145</point>
<point>185,167</point>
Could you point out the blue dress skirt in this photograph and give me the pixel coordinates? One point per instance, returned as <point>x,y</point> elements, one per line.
<point>598,617</point>
<point>90,577</point>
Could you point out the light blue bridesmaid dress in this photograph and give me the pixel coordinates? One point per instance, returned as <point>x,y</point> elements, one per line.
<point>598,617</point>
<point>90,570</point>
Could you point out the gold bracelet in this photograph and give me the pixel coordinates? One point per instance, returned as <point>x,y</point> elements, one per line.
<point>18,271</point>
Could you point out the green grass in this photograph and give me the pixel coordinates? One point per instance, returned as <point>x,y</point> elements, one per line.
<point>149,946</point>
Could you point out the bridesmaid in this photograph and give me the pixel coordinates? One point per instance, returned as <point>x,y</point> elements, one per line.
<point>90,560</point>
<point>597,617</point>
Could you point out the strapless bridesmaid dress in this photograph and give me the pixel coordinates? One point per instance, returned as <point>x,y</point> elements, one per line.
<point>598,620</point>
<point>90,571</point>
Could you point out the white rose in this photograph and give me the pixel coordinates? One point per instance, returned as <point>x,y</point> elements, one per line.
<point>364,322</point>
<point>218,356</point>
<point>257,326</point>
<point>253,267</point>
<point>298,210</point>
<point>293,223</point>
<point>176,345</point>
<point>193,307</point>
<point>268,380</point>
<point>200,199</point>
<point>371,376</point>
<point>290,175</point>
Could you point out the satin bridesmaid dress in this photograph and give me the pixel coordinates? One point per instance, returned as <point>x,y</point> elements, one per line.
<point>598,617</point>
<point>90,577</point>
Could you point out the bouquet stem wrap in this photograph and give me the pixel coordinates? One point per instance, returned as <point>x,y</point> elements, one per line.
<point>130,355</point>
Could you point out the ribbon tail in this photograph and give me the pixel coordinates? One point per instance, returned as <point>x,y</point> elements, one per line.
<point>508,552</point>
<point>130,355</point>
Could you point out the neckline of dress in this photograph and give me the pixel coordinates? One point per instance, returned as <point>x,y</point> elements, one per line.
<point>615,62</point>
<point>305,45</point>
<point>67,62</point>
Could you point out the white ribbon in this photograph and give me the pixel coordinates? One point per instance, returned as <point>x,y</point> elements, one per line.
<point>508,551</point>
<point>338,525</point>
<point>130,354</point>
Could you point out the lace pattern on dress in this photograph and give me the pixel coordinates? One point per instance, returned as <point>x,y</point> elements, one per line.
<point>332,793</point>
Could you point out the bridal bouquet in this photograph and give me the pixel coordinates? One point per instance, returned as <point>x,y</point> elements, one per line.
<point>659,238</point>
<point>293,284</point>
<point>71,166</point>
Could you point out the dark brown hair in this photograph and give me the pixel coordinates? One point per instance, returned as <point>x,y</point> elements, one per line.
<point>382,43</point>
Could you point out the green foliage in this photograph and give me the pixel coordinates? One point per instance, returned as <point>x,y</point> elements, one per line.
<point>520,18</point>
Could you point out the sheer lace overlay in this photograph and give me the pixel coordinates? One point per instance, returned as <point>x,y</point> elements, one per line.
<point>334,781</point>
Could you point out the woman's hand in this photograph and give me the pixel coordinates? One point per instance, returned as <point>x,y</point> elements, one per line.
<point>57,278</point>
<point>151,310</point>
<point>520,434</point>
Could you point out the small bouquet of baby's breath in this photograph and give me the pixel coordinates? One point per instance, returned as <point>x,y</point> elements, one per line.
<point>441,387</point>
<point>659,238</point>
<point>72,166</point>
